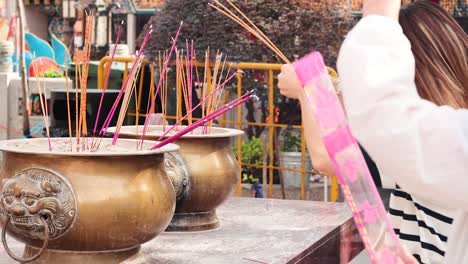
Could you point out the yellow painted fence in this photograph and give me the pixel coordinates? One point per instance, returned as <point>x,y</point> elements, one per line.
<point>270,125</point>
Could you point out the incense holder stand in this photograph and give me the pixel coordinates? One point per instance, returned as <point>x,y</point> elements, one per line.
<point>83,207</point>
<point>206,175</point>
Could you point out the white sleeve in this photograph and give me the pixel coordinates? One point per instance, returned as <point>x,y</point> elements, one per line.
<point>421,146</point>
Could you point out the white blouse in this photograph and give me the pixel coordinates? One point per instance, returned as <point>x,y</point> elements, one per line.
<point>423,147</point>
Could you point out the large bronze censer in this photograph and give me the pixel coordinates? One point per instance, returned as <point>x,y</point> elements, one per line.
<point>83,207</point>
<point>204,175</point>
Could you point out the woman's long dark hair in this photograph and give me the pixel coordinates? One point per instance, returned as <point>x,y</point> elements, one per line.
<point>439,45</point>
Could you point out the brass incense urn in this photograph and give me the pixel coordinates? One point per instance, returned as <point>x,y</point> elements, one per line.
<point>83,207</point>
<point>205,173</point>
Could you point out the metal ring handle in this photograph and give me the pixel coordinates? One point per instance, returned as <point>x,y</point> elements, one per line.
<point>21,260</point>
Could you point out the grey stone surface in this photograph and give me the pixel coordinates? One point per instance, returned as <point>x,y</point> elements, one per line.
<point>362,258</point>
<point>252,231</point>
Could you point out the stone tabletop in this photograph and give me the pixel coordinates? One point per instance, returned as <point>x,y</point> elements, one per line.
<point>257,231</point>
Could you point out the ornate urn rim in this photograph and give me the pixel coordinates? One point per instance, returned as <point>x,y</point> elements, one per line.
<point>156,131</point>
<point>124,148</point>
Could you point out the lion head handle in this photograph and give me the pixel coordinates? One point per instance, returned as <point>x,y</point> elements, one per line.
<point>178,173</point>
<point>38,193</point>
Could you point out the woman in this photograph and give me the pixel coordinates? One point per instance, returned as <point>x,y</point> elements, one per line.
<point>411,139</point>
<point>413,123</point>
<point>441,76</point>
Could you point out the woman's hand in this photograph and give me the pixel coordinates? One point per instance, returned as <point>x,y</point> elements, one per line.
<point>388,8</point>
<point>288,83</point>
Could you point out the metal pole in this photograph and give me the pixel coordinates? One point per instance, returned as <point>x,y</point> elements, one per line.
<point>131,33</point>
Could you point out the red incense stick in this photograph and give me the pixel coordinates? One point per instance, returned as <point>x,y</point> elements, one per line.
<point>161,78</point>
<point>124,86</point>
<point>246,97</point>
<point>106,82</point>
<point>106,124</point>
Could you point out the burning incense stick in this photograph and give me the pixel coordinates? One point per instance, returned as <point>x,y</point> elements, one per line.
<point>205,78</point>
<point>181,80</point>
<point>41,99</point>
<point>191,60</point>
<point>129,82</point>
<point>84,77</point>
<point>178,87</point>
<point>185,86</point>
<point>152,88</point>
<point>67,85</point>
<point>122,90</point>
<point>82,59</point>
<point>265,38</point>
<point>198,83</point>
<point>106,82</point>
<point>46,107</point>
<point>164,90</point>
<point>246,97</point>
<point>217,97</point>
<point>254,29</point>
<point>137,105</point>
<point>189,63</point>
<point>76,100</point>
<point>214,79</point>
<point>153,103</point>
<point>126,101</point>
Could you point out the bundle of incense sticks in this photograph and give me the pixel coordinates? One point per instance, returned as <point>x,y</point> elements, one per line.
<point>85,72</point>
<point>213,102</point>
<point>181,83</point>
<point>185,81</point>
<point>160,83</point>
<point>127,89</point>
<point>163,91</point>
<point>202,102</point>
<point>41,89</point>
<point>82,60</point>
<point>246,97</point>
<point>205,78</point>
<point>248,25</point>
<point>106,82</point>
<point>189,65</point>
<point>126,101</point>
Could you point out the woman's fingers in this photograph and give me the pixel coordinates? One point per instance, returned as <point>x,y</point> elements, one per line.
<point>288,82</point>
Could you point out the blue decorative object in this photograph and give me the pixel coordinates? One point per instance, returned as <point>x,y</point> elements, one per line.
<point>39,47</point>
<point>62,55</point>
<point>38,128</point>
<point>28,58</point>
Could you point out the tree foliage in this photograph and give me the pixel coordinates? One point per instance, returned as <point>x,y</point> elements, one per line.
<point>296,27</point>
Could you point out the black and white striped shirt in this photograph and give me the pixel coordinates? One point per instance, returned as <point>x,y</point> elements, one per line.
<point>421,226</point>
